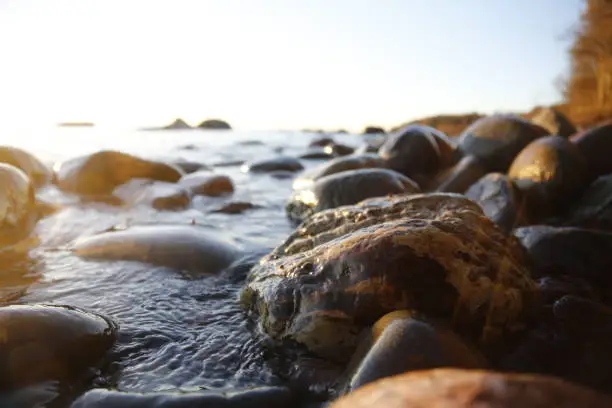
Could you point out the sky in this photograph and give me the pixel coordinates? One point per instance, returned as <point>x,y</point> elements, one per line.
<point>278,64</point>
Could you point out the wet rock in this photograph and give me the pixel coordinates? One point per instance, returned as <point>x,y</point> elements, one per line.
<point>550,172</point>
<point>345,188</point>
<point>18,208</point>
<point>553,288</point>
<point>44,342</point>
<point>184,247</point>
<point>321,142</point>
<point>189,167</point>
<point>596,146</point>
<point>280,163</point>
<point>215,124</point>
<point>340,149</point>
<point>497,139</point>
<point>455,388</point>
<point>500,200</point>
<point>345,268</point>
<point>100,173</point>
<point>208,184</point>
<point>355,162</point>
<point>576,252</point>
<point>36,170</point>
<point>414,151</point>
<point>553,121</point>
<point>403,341</point>
<point>573,343</point>
<point>318,154</point>
<point>157,194</point>
<point>460,177</point>
<point>269,397</point>
<point>369,130</point>
<point>594,208</point>
<point>367,148</point>
<point>236,207</point>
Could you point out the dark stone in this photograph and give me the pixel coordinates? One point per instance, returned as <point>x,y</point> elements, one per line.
<point>354,162</point>
<point>318,154</point>
<point>456,388</point>
<point>345,188</point>
<point>36,170</point>
<point>184,247</point>
<point>283,163</point>
<point>550,172</point>
<point>367,148</point>
<point>460,177</point>
<point>369,130</point>
<point>343,269</point>
<point>236,207</point>
<point>596,146</point>
<point>269,397</point>
<point>553,121</point>
<point>321,142</point>
<point>157,194</point>
<point>19,210</point>
<point>594,209</point>
<point>44,342</point>
<point>177,124</point>
<point>403,341</point>
<point>98,174</point>
<point>553,288</point>
<point>189,167</point>
<point>340,149</point>
<point>500,200</point>
<point>215,124</point>
<point>413,151</point>
<point>497,139</point>
<point>208,184</point>
<point>575,252</point>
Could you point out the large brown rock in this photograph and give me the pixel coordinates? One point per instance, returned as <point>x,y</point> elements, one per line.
<point>454,388</point>
<point>98,174</point>
<point>345,268</point>
<point>36,170</point>
<point>18,208</point>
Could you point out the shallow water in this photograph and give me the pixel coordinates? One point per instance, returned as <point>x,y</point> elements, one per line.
<point>176,332</point>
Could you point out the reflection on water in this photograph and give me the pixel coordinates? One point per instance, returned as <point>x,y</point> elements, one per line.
<point>174,332</point>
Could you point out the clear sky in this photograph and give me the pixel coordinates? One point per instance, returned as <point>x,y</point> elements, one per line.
<point>266,64</point>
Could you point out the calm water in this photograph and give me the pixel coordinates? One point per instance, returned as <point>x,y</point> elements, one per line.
<point>175,332</point>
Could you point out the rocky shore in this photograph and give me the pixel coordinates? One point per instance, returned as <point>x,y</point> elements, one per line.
<point>422,271</point>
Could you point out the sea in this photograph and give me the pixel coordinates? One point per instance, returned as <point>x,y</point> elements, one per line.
<point>176,332</point>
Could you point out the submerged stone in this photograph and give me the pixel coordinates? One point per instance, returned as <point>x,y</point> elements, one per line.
<point>403,341</point>
<point>455,388</point>
<point>280,163</point>
<point>345,268</point>
<point>98,174</point>
<point>347,187</point>
<point>208,184</point>
<point>184,247</point>
<point>269,397</point>
<point>496,140</point>
<point>189,167</point>
<point>354,162</point>
<point>50,342</point>
<point>156,194</point>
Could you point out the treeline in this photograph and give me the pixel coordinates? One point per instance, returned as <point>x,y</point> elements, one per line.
<point>588,90</point>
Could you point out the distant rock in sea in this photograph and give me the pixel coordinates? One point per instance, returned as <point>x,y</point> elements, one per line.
<point>217,124</point>
<point>75,124</point>
<point>177,124</point>
<point>369,130</point>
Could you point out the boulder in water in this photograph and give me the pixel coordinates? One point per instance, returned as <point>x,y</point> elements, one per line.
<point>345,268</point>
<point>36,170</point>
<point>345,188</point>
<point>18,207</point>
<point>216,124</point>
<point>496,140</point>
<point>370,130</point>
<point>45,342</point>
<point>353,162</point>
<point>280,163</point>
<point>177,124</point>
<point>184,247</point>
<point>98,174</point>
<point>208,184</point>
<point>156,194</point>
<point>189,167</point>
